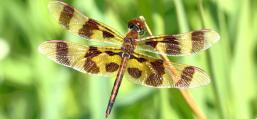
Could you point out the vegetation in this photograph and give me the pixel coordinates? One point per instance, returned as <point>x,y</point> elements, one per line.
<point>31,86</point>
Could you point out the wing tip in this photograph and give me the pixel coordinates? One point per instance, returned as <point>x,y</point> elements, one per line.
<point>42,47</point>
<point>55,2</point>
<point>55,7</point>
<point>200,79</point>
<point>212,36</point>
<point>52,4</point>
<point>201,74</point>
<point>216,36</point>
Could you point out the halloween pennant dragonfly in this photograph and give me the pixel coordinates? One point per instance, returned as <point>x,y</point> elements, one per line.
<point>126,60</point>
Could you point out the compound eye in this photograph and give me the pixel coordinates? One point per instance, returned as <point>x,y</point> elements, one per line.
<point>130,26</point>
<point>141,32</point>
<point>133,27</point>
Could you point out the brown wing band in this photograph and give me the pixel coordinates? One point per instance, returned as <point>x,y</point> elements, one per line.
<point>186,77</point>
<point>66,15</point>
<point>62,53</point>
<point>197,41</point>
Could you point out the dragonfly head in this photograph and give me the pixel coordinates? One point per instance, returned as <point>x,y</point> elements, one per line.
<point>137,25</point>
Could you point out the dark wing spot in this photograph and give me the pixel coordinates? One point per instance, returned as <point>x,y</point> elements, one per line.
<point>158,67</point>
<point>140,59</point>
<point>170,39</point>
<point>186,77</point>
<point>107,34</point>
<point>173,49</point>
<point>154,80</point>
<point>134,72</point>
<point>92,48</point>
<point>197,41</point>
<point>111,67</point>
<point>111,53</point>
<point>172,45</point>
<point>87,29</point>
<point>62,53</point>
<point>151,43</point>
<point>92,52</point>
<point>66,15</point>
<point>90,66</point>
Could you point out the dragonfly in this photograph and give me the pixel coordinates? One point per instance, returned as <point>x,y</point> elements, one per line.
<point>128,56</point>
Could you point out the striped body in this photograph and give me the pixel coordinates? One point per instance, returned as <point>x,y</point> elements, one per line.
<point>125,60</point>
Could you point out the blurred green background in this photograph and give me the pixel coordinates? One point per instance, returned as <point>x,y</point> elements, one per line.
<point>32,86</point>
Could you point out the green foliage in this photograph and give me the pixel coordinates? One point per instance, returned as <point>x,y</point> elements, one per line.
<point>31,86</point>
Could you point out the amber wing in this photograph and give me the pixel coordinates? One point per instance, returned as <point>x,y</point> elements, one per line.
<point>140,69</point>
<point>77,23</point>
<point>92,60</point>
<point>154,72</point>
<point>180,44</point>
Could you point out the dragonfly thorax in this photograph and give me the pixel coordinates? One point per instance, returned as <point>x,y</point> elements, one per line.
<point>129,46</point>
<point>129,43</point>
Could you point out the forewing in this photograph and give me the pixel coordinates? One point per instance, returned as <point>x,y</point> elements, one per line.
<point>92,60</point>
<point>156,73</point>
<point>77,23</point>
<point>180,44</point>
